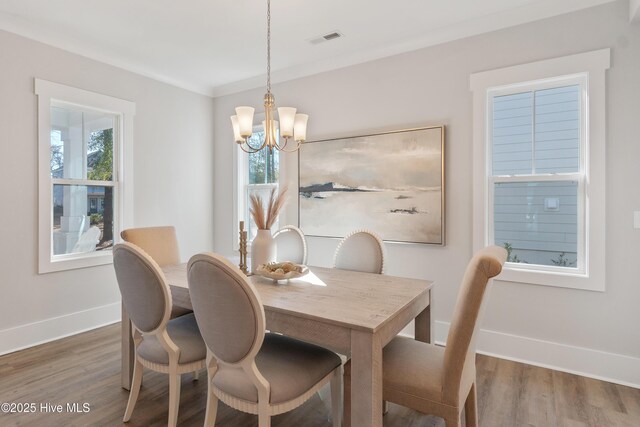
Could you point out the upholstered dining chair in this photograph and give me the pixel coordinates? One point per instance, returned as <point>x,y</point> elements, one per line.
<point>264,374</point>
<point>291,244</point>
<point>364,251</point>
<point>360,250</point>
<point>161,244</point>
<point>171,346</point>
<point>442,380</point>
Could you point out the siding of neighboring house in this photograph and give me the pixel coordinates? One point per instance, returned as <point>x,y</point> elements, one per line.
<point>537,132</point>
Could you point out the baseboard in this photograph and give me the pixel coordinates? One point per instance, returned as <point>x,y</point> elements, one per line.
<point>42,331</point>
<point>612,367</point>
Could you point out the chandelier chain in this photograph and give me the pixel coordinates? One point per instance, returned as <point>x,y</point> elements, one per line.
<point>268,46</point>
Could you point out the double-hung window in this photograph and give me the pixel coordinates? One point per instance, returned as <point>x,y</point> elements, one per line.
<point>258,173</point>
<point>539,169</point>
<point>81,141</point>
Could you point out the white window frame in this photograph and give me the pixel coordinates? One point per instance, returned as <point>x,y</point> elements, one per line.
<point>49,94</point>
<point>589,70</point>
<point>240,196</point>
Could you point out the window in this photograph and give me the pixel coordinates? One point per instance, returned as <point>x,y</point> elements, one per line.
<point>539,172</point>
<point>258,173</point>
<point>81,141</point>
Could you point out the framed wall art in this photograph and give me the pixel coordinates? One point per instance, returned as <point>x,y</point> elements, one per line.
<point>391,183</point>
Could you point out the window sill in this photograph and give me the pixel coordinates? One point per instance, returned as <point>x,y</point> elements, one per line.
<point>552,278</point>
<point>74,261</point>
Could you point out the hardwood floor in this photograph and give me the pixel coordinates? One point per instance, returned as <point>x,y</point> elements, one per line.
<point>86,369</point>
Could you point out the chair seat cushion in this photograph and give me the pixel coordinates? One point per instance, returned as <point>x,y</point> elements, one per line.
<point>413,369</point>
<point>185,334</point>
<point>292,367</point>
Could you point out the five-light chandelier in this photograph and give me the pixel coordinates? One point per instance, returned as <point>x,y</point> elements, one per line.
<point>292,125</point>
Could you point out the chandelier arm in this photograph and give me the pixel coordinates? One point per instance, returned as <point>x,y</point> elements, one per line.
<point>247,151</point>
<point>288,151</point>
<point>251,147</point>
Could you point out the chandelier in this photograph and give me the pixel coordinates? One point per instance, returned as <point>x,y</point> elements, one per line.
<point>292,125</point>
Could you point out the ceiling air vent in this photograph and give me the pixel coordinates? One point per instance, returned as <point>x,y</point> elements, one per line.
<point>326,37</point>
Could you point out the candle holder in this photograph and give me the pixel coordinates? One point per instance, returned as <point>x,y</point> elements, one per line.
<point>243,249</point>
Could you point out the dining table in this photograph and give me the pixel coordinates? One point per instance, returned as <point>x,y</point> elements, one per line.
<point>353,313</point>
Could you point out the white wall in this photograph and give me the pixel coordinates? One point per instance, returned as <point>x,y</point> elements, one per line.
<point>589,332</point>
<point>173,184</point>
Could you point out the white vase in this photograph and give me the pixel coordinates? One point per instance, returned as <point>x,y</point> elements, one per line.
<point>263,249</point>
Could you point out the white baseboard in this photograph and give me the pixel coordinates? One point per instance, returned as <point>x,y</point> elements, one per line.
<point>42,331</point>
<point>615,368</point>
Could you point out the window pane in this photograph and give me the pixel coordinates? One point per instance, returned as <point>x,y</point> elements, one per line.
<point>82,218</point>
<point>537,221</point>
<point>557,133</point>
<point>81,144</point>
<point>512,134</point>
<point>264,165</point>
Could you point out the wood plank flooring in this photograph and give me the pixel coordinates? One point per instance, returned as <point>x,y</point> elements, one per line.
<point>86,369</point>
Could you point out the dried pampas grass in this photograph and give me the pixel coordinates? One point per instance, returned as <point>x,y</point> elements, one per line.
<point>264,220</point>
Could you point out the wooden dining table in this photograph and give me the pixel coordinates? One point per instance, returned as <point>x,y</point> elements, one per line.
<point>350,312</point>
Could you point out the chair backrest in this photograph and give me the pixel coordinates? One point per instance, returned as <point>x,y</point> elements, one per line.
<point>459,356</point>
<point>160,243</point>
<point>227,308</point>
<point>145,293</point>
<point>291,245</point>
<point>361,251</point>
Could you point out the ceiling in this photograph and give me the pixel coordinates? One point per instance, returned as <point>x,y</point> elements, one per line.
<point>218,47</point>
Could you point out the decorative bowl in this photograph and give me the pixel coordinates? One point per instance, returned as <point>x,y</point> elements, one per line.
<point>281,270</point>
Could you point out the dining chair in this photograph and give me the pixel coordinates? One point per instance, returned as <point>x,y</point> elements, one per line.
<point>161,244</point>
<point>291,244</point>
<point>250,370</point>
<point>364,251</point>
<point>360,250</point>
<point>442,380</point>
<point>162,344</point>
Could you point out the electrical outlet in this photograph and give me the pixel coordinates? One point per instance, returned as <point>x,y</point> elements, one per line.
<point>636,219</point>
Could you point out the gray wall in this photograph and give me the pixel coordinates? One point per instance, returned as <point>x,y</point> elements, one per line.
<point>173,184</point>
<point>431,87</point>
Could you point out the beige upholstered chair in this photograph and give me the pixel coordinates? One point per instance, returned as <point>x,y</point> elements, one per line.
<point>254,372</point>
<point>442,381</point>
<point>364,251</point>
<point>291,244</point>
<point>361,250</point>
<point>172,346</point>
<point>161,244</point>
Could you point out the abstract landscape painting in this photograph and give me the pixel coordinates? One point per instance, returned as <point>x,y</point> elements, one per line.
<point>389,183</point>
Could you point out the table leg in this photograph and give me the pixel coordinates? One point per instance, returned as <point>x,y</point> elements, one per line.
<point>366,379</point>
<point>127,351</point>
<point>424,325</point>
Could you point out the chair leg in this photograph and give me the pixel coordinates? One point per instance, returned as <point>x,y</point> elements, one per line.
<point>135,390</point>
<point>212,408</point>
<point>174,399</point>
<point>346,402</point>
<point>196,375</point>
<point>471,407</point>
<point>264,420</point>
<point>385,407</point>
<point>336,398</point>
